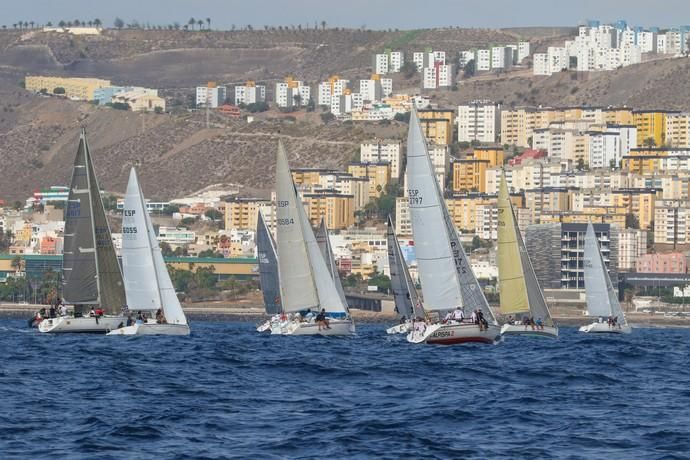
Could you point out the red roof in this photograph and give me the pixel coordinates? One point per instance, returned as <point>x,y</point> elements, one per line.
<point>527,155</point>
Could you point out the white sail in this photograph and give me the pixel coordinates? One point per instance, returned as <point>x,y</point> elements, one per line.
<point>297,287</point>
<point>601,296</point>
<point>328,295</point>
<point>141,286</point>
<point>147,281</point>
<point>436,259</point>
<point>324,242</point>
<point>407,302</point>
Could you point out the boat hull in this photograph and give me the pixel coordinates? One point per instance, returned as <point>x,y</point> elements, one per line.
<point>339,327</point>
<point>152,329</point>
<point>88,324</point>
<point>455,334</point>
<point>402,328</point>
<point>519,329</point>
<point>604,328</point>
<point>264,327</point>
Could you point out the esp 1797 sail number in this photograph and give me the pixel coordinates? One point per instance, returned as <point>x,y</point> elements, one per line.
<point>415,198</point>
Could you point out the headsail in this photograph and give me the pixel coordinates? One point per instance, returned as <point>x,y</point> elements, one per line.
<point>520,291</point>
<point>438,253</point>
<point>268,267</point>
<point>322,239</point>
<point>407,302</point>
<point>601,296</point>
<point>92,274</point>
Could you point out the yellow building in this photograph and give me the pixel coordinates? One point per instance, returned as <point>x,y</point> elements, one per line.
<point>618,116</point>
<point>242,213</point>
<point>75,88</point>
<point>677,130</point>
<point>638,202</point>
<point>651,127</point>
<point>463,209</point>
<point>141,100</point>
<point>379,175</point>
<point>494,155</point>
<point>470,175</point>
<point>308,176</point>
<point>594,214</point>
<point>437,125</point>
<point>337,209</point>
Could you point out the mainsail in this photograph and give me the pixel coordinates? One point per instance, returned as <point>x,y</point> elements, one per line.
<point>601,296</point>
<point>407,301</point>
<point>92,274</point>
<point>520,291</point>
<point>438,262</point>
<point>324,243</point>
<point>268,267</point>
<point>148,284</point>
<point>305,281</point>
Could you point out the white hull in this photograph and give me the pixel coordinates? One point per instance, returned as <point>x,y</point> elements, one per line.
<point>68,324</point>
<point>152,329</point>
<point>264,327</point>
<point>604,328</point>
<point>455,333</point>
<point>402,328</point>
<point>338,327</point>
<point>519,329</point>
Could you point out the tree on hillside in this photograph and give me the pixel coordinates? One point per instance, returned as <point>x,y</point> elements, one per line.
<point>208,23</point>
<point>118,23</point>
<point>469,69</point>
<point>409,69</point>
<point>191,22</point>
<point>323,25</point>
<point>97,22</point>
<point>61,24</point>
<point>48,24</point>
<point>649,142</point>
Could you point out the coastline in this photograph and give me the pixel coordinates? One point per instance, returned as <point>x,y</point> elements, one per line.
<point>253,313</point>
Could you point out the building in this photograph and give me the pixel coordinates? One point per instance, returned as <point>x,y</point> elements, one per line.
<point>673,262</point>
<point>671,222</point>
<point>557,249</point>
<point>479,121</point>
<point>469,175</point>
<point>141,100</point>
<point>651,127</point>
<point>677,129</point>
<point>388,62</point>
<point>292,93</point>
<point>210,95</point>
<point>383,151</point>
<point>242,213</point>
<point>79,89</point>
<point>176,236</point>
<point>378,174</point>
<point>438,76</point>
<point>250,93</point>
<point>437,125</point>
<point>337,209</point>
<point>632,244</point>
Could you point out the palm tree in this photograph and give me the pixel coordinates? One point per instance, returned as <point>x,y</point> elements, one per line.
<point>14,26</point>
<point>61,24</point>
<point>200,23</point>
<point>191,22</point>
<point>323,25</point>
<point>97,22</point>
<point>32,24</point>
<point>49,24</point>
<point>77,23</point>
<point>208,22</point>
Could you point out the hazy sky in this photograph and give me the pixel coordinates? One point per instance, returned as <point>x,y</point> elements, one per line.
<point>374,14</point>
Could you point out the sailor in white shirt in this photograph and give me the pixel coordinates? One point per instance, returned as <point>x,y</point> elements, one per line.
<point>474,317</point>
<point>458,315</point>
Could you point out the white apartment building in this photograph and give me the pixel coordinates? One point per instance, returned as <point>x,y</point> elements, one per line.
<point>671,221</point>
<point>541,64</point>
<point>250,93</point>
<point>604,149</point>
<point>403,225</point>
<point>388,62</point>
<point>346,103</point>
<point>438,76</point>
<point>380,64</point>
<point>376,88</point>
<point>523,51</point>
<point>210,96</point>
<point>501,57</point>
<point>483,62</point>
<point>292,93</point>
<point>428,58</point>
<point>632,244</point>
<point>389,151</point>
<point>331,89</point>
<point>486,222</point>
<point>465,57</point>
<point>479,121</point>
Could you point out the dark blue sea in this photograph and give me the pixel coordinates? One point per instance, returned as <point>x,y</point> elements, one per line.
<point>227,392</point>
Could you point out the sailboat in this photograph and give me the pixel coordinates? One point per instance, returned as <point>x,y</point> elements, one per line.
<point>268,272</point>
<point>306,283</point>
<point>92,279</point>
<point>147,283</point>
<point>407,302</point>
<point>448,282</point>
<point>519,289</point>
<point>602,300</point>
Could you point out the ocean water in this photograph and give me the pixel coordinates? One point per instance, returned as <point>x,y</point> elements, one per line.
<point>227,392</point>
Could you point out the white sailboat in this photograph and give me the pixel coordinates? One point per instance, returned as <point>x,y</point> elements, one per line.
<point>92,279</point>
<point>519,289</point>
<point>446,277</point>
<point>268,273</point>
<point>324,243</point>
<point>408,305</point>
<point>147,283</point>
<point>306,283</point>
<point>602,301</point>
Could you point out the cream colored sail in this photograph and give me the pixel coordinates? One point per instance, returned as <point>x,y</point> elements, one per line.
<point>511,277</point>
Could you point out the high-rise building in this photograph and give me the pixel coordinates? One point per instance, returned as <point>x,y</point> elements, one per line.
<point>479,121</point>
